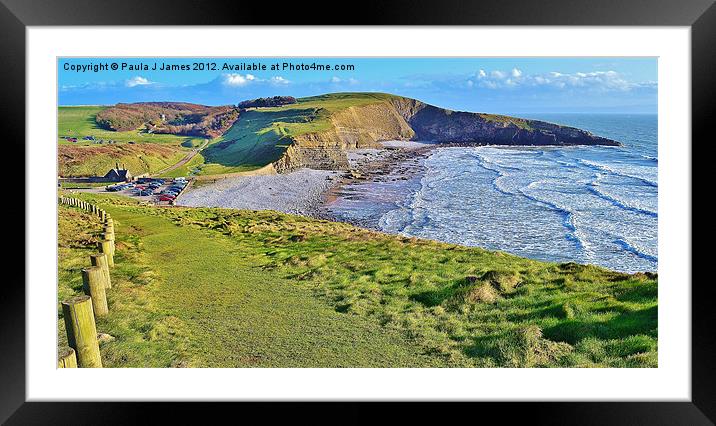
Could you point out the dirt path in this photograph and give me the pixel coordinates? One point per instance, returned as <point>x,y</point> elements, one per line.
<point>184,160</point>
<point>237,314</point>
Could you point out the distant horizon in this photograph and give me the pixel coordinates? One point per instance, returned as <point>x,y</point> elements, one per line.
<point>595,112</point>
<point>492,85</point>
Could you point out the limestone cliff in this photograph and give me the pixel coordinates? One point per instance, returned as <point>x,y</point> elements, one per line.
<point>398,118</point>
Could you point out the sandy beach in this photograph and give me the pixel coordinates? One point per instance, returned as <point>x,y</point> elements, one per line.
<point>304,191</point>
<point>297,192</point>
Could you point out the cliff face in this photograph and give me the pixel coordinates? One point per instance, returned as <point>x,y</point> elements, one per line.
<point>440,125</point>
<point>400,118</point>
<point>354,127</point>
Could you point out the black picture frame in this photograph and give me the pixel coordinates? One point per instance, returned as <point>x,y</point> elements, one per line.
<point>16,15</point>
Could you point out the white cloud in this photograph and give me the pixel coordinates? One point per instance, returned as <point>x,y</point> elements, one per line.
<point>278,80</point>
<point>595,80</point>
<point>336,80</point>
<point>237,79</point>
<point>137,81</point>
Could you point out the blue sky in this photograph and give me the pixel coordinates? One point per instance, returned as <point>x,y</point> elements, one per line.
<point>497,85</point>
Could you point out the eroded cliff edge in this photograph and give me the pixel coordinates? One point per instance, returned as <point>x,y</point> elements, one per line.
<point>398,118</point>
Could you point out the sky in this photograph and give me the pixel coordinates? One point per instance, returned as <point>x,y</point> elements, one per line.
<point>493,85</point>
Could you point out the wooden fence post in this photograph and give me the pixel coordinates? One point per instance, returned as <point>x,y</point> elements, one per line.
<point>110,238</point>
<point>94,283</point>
<point>109,230</point>
<point>81,331</point>
<point>106,248</point>
<point>100,260</point>
<point>66,358</point>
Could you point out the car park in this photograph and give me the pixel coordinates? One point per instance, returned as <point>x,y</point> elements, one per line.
<point>161,190</point>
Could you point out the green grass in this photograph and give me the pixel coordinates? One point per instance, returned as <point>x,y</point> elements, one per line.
<point>505,119</point>
<point>79,121</point>
<point>74,185</point>
<point>241,288</point>
<point>260,136</point>
<point>188,297</point>
<point>149,153</point>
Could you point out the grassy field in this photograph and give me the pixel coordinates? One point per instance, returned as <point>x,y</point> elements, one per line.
<point>79,121</point>
<point>149,153</point>
<point>214,287</point>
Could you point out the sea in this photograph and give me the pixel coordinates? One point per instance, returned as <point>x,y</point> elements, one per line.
<point>591,205</point>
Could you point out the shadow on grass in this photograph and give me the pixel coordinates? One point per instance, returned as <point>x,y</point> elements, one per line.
<point>629,323</point>
<point>254,140</point>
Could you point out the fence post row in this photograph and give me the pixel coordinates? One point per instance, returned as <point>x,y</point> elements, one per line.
<point>80,311</point>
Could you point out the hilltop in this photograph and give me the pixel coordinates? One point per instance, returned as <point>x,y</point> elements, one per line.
<point>288,134</point>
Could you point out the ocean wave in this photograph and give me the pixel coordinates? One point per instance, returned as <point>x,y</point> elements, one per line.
<point>633,250</point>
<point>498,170</point>
<point>567,215</point>
<point>604,168</point>
<point>594,189</point>
<point>568,219</point>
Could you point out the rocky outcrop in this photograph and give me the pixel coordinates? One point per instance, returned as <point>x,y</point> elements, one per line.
<point>441,125</point>
<point>398,118</point>
<point>351,128</point>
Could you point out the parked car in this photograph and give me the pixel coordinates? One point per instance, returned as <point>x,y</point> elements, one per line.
<point>167,198</point>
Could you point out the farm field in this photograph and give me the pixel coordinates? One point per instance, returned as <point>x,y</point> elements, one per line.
<point>79,121</point>
<point>149,153</point>
<point>231,288</point>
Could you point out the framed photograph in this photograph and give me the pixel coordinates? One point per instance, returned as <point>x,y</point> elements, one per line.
<point>487,203</point>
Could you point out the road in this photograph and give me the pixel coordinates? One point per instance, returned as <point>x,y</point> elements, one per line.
<point>183,161</point>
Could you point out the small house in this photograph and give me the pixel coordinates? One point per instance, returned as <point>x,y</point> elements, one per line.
<point>118,175</point>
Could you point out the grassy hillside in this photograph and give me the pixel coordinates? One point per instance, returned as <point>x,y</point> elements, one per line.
<point>262,135</point>
<point>238,288</point>
<point>79,121</point>
<point>186,297</point>
<point>149,153</point>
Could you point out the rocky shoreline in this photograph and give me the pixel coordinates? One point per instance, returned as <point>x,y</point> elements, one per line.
<point>397,160</point>
<point>307,192</point>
